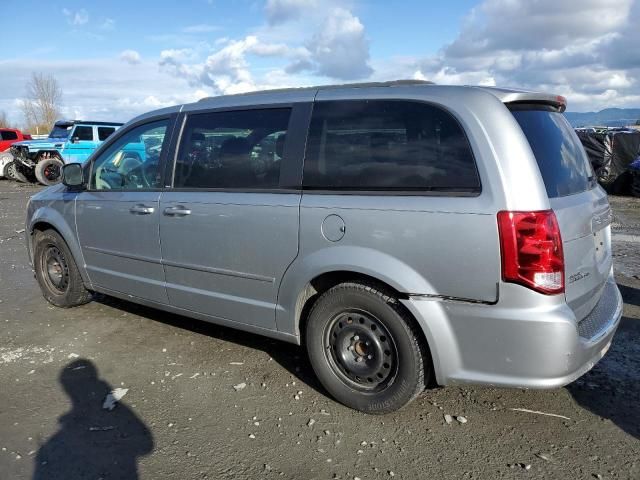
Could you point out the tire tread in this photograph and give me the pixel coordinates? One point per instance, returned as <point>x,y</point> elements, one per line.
<point>77,294</point>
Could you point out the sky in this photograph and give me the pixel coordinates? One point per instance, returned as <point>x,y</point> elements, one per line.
<point>115,59</point>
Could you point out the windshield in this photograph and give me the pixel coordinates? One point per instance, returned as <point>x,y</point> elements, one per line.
<point>561,158</point>
<point>60,131</point>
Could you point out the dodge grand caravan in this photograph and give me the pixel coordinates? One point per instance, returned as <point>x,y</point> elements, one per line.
<point>407,234</point>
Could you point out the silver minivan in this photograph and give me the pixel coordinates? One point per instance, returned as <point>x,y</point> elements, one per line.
<point>407,234</point>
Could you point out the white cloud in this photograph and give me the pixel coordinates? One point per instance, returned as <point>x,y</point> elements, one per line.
<point>281,11</point>
<point>79,17</point>
<point>130,56</point>
<point>340,48</point>
<point>109,93</point>
<point>583,52</point>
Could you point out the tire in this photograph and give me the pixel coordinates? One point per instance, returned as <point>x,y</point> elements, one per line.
<point>6,173</point>
<point>57,272</point>
<point>366,349</point>
<point>48,171</point>
<point>14,173</point>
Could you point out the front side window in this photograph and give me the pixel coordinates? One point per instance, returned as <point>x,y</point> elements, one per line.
<point>133,161</point>
<point>104,132</point>
<point>236,149</point>
<point>387,145</point>
<point>83,133</point>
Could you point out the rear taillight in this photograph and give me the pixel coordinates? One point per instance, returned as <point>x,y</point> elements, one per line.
<point>531,250</point>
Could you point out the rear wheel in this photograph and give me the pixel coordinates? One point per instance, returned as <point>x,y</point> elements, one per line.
<point>366,349</point>
<point>56,271</point>
<point>48,171</point>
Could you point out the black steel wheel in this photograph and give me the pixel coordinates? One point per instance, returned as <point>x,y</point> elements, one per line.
<point>360,350</point>
<point>366,349</point>
<point>56,271</point>
<point>55,265</point>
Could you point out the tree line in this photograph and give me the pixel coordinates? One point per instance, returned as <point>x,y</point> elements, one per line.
<point>40,106</point>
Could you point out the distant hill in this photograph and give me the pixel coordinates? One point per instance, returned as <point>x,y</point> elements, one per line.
<point>609,117</point>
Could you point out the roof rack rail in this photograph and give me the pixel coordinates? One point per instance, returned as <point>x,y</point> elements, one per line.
<point>391,83</point>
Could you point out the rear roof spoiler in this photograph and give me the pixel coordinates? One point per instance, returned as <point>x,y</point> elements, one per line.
<point>513,96</point>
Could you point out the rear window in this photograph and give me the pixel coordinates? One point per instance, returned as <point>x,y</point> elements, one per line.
<point>387,145</point>
<point>561,158</point>
<point>104,132</point>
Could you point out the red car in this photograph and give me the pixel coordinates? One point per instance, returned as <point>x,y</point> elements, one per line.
<point>9,136</point>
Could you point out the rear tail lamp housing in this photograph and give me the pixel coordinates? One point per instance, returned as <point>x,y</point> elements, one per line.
<point>531,250</point>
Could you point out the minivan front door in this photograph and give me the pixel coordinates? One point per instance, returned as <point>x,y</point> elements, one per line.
<point>118,216</point>
<point>229,227</point>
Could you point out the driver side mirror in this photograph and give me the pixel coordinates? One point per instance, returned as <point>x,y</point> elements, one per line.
<point>73,176</point>
<point>75,139</point>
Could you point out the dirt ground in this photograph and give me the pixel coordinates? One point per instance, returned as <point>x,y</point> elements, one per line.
<point>182,417</point>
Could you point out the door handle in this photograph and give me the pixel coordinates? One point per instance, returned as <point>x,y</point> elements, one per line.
<point>178,211</point>
<point>141,210</point>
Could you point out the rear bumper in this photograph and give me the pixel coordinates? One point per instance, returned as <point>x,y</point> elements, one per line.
<point>541,346</point>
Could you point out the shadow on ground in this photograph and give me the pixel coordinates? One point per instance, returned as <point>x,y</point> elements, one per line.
<point>612,389</point>
<point>291,357</point>
<point>631,295</point>
<point>609,391</point>
<point>92,442</point>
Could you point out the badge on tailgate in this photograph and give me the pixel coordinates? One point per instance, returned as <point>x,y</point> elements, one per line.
<point>601,220</point>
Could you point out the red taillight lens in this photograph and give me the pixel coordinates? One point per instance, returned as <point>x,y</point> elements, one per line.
<point>531,249</point>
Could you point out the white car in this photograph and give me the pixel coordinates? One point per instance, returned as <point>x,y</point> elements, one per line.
<point>6,165</point>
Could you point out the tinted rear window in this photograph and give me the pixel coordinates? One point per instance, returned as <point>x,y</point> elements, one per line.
<point>561,158</point>
<point>104,132</point>
<point>387,145</point>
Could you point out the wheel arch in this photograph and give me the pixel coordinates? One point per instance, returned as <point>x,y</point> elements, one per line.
<point>50,153</point>
<point>48,219</point>
<point>314,289</point>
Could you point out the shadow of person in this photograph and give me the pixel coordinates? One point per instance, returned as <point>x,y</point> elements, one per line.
<point>92,443</point>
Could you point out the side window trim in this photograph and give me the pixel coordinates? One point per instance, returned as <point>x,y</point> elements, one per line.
<point>475,192</point>
<point>121,132</point>
<point>291,170</point>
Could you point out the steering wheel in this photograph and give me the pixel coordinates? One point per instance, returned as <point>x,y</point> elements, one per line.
<point>131,165</point>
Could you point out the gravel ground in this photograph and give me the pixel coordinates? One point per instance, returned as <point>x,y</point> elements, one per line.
<point>209,402</point>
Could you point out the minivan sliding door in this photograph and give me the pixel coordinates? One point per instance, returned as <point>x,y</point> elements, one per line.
<point>229,225</point>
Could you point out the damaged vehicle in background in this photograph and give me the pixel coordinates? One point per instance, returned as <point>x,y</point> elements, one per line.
<point>70,141</point>
<point>9,136</point>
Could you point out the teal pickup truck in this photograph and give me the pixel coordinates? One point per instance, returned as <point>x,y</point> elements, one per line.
<point>70,141</point>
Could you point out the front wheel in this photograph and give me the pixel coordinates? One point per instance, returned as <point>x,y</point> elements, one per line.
<point>56,271</point>
<point>366,349</point>
<point>13,172</point>
<point>48,171</point>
